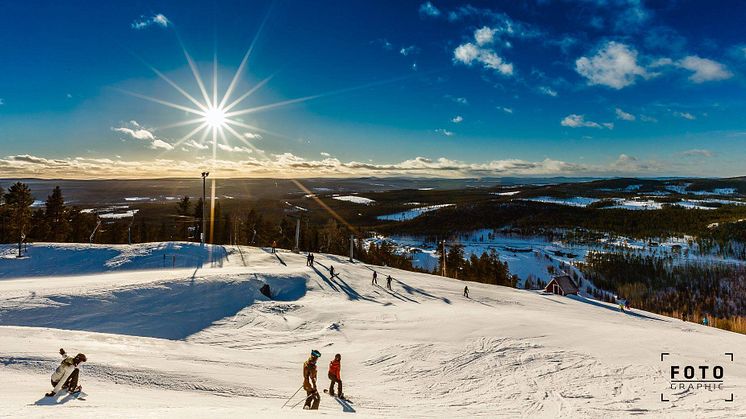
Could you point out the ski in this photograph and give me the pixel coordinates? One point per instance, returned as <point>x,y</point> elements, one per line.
<point>326,391</point>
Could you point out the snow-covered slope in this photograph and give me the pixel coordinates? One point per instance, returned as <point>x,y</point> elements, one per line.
<point>204,342</point>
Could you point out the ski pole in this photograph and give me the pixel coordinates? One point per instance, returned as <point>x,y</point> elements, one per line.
<point>296,392</point>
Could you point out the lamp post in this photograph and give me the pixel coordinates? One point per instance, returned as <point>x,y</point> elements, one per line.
<point>204,220</point>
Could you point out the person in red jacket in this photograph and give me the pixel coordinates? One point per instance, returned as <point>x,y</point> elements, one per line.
<point>335,376</point>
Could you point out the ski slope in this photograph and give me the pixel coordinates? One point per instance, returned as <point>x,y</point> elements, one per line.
<point>202,341</point>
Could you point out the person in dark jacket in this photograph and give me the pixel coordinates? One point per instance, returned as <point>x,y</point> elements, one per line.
<point>375,278</point>
<point>388,281</point>
<point>466,291</point>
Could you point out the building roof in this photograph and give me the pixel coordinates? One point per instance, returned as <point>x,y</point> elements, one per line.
<point>566,283</point>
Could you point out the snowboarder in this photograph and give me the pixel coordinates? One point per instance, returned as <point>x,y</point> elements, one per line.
<point>335,376</point>
<point>331,270</point>
<point>309,259</point>
<point>66,375</point>
<point>388,281</point>
<point>274,245</point>
<point>466,291</point>
<point>309,381</point>
<point>626,305</point>
<point>375,278</point>
<point>705,321</point>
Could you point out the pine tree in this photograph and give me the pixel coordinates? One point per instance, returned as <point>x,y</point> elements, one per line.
<point>56,216</point>
<point>184,205</point>
<point>18,200</point>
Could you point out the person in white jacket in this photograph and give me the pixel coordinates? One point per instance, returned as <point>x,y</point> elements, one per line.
<point>66,375</point>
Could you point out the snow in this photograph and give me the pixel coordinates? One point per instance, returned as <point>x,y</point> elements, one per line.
<point>508,193</point>
<point>137,198</point>
<point>204,342</point>
<point>577,201</point>
<point>354,199</point>
<point>118,215</point>
<point>412,213</point>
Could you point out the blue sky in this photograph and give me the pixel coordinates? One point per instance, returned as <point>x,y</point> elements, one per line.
<point>453,89</point>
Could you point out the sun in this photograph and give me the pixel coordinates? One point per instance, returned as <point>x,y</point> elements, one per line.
<point>215,117</point>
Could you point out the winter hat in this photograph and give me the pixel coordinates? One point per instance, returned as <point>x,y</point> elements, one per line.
<point>316,353</point>
<point>80,358</point>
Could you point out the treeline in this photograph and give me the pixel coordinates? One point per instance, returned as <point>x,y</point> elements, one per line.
<point>57,222</point>
<point>688,291</point>
<point>487,268</point>
<point>531,217</point>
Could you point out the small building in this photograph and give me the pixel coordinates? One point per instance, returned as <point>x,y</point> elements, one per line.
<point>562,285</point>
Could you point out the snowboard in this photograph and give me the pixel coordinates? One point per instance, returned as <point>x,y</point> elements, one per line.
<point>326,391</point>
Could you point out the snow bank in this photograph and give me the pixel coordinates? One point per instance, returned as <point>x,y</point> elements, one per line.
<point>61,259</point>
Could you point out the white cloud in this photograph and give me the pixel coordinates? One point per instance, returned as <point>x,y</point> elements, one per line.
<point>459,100</point>
<point>444,132</point>
<point>291,166</point>
<point>410,50</point>
<point>457,119</point>
<point>252,136</point>
<point>704,69</point>
<point>469,53</point>
<point>685,115</point>
<point>614,65</point>
<point>504,109</point>
<point>158,143</point>
<point>578,121</point>
<point>137,133</point>
<point>325,154</point>
<point>145,21</point>
<point>195,145</point>
<point>429,9</point>
<point>485,35</point>
<point>548,91</point>
<point>620,114</point>
<point>646,118</point>
<point>235,149</point>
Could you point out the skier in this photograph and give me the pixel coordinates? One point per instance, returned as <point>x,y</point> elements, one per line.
<point>626,305</point>
<point>466,291</point>
<point>309,259</point>
<point>388,282</point>
<point>335,376</point>
<point>331,270</point>
<point>309,381</point>
<point>705,321</point>
<point>274,245</point>
<point>375,278</point>
<point>66,375</point>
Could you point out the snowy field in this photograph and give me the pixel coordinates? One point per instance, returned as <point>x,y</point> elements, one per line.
<point>412,213</point>
<point>354,199</point>
<point>636,203</point>
<point>203,342</point>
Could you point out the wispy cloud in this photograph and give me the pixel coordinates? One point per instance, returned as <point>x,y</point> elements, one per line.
<point>252,136</point>
<point>444,132</point>
<point>457,119</point>
<point>624,116</point>
<point>429,9</point>
<point>469,53</point>
<point>410,50</point>
<point>547,91</point>
<point>504,109</point>
<point>325,154</point>
<point>136,131</point>
<point>704,69</point>
<point>145,21</point>
<point>579,121</point>
<point>698,152</point>
<point>685,115</point>
<point>613,65</point>
<point>235,149</point>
